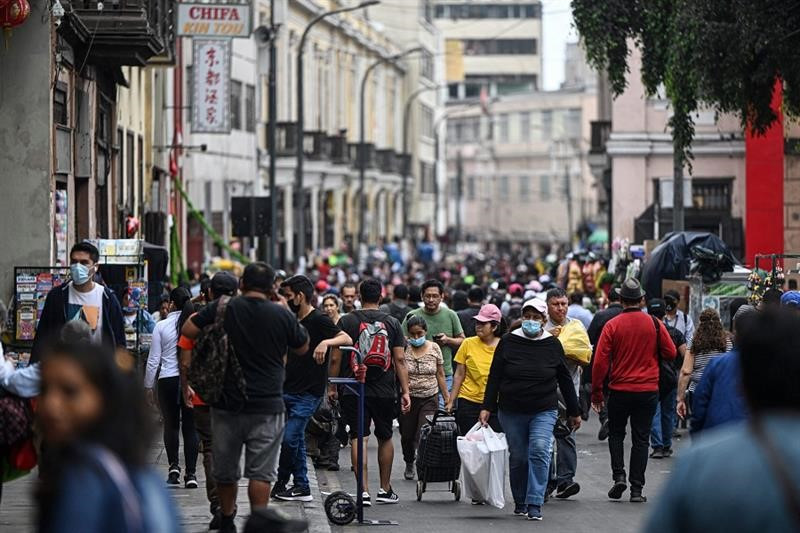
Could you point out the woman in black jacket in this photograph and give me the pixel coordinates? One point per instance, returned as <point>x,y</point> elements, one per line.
<point>527,370</point>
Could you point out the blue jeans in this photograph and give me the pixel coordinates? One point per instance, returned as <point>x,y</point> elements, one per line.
<point>530,443</point>
<point>299,410</point>
<point>664,421</point>
<point>449,381</point>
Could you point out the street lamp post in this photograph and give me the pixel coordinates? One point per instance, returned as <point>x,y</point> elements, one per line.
<point>362,160</point>
<point>299,197</point>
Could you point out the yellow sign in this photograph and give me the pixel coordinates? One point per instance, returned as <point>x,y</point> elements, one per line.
<point>454,58</point>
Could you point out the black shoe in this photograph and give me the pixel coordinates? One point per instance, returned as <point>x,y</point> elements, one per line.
<point>216,522</point>
<point>668,452</point>
<point>409,472</point>
<point>520,509</point>
<point>190,481</point>
<point>658,453</point>
<point>617,490</point>
<point>174,476</point>
<point>227,525</point>
<point>567,489</point>
<point>636,497</point>
<point>295,494</point>
<point>387,496</point>
<point>277,488</point>
<point>603,433</point>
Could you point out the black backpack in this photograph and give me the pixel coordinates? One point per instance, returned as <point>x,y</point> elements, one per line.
<point>667,375</point>
<point>212,356</point>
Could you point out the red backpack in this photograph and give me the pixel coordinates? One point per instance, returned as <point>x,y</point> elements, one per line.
<point>373,343</point>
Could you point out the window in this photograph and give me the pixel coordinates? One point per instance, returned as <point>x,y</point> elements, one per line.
<point>120,167</point>
<point>572,123</point>
<point>547,124</point>
<point>426,181</point>
<point>544,187</point>
<point>426,10</point>
<point>483,47</point>
<point>524,187</point>
<point>250,108</point>
<point>427,121</point>
<point>60,102</point>
<point>502,127</point>
<point>711,194</point>
<point>471,188</point>
<point>525,126</point>
<point>236,105</point>
<point>502,187</point>
<point>130,158</point>
<point>490,11</point>
<point>426,65</point>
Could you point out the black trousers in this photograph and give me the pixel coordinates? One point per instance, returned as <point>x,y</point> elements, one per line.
<point>467,413</point>
<point>202,422</point>
<point>639,408</point>
<point>177,418</point>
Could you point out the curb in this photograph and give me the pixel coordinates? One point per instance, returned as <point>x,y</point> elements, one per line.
<point>315,510</point>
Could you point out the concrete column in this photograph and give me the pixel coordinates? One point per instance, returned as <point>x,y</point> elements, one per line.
<point>315,217</point>
<point>288,221</point>
<point>340,219</point>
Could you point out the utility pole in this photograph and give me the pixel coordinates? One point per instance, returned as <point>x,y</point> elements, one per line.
<point>568,191</point>
<point>272,109</point>
<point>677,189</point>
<point>459,189</point>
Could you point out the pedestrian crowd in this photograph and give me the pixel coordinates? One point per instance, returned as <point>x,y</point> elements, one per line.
<point>245,365</point>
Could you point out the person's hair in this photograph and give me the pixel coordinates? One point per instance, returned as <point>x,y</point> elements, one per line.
<point>576,298</point>
<point>370,291</point>
<point>349,285</point>
<point>459,301</point>
<point>476,294</point>
<point>257,276</point>
<point>709,337</point>
<point>555,292</point>
<point>416,320</point>
<point>672,294</point>
<point>658,313</point>
<point>300,285</point>
<point>502,327</point>
<point>205,287</point>
<point>629,302</point>
<point>613,296</point>
<point>400,292</point>
<point>331,297</point>
<point>433,283</point>
<point>87,247</point>
<point>772,296</point>
<point>768,344</point>
<point>414,294</point>
<point>182,299</point>
<point>736,303</point>
<point>123,428</point>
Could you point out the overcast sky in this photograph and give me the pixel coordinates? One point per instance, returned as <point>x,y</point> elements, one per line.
<point>557,32</point>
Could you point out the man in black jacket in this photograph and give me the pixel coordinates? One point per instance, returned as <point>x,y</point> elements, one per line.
<point>81,299</point>
<point>475,298</point>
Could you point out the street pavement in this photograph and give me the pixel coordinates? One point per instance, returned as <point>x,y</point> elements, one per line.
<point>590,511</point>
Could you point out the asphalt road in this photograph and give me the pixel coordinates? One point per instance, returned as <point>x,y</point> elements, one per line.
<point>590,511</point>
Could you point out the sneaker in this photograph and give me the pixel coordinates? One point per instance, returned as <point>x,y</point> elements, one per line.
<point>668,452</point>
<point>277,488</point>
<point>190,481</point>
<point>477,502</point>
<point>366,501</point>
<point>174,476</point>
<point>227,525</point>
<point>387,496</point>
<point>520,509</point>
<point>658,453</point>
<point>603,433</point>
<point>409,473</point>
<point>636,497</point>
<point>567,489</point>
<point>295,494</point>
<point>535,513</point>
<point>617,490</point>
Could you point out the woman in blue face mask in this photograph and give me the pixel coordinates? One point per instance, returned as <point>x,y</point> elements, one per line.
<point>527,370</point>
<point>425,365</point>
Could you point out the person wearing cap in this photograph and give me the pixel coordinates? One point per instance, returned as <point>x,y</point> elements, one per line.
<point>626,354</point>
<point>512,307</point>
<point>81,299</point>
<point>221,284</point>
<point>666,415</point>
<point>791,299</point>
<point>527,369</point>
<point>474,358</point>
<point>677,318</point>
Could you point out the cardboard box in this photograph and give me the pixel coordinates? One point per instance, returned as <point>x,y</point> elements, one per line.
<point>683,289</point>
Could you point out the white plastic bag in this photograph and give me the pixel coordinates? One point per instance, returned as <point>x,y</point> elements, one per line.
<point>484,465</point>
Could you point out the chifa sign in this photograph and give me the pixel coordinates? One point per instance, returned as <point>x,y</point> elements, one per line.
<point>214,20</point>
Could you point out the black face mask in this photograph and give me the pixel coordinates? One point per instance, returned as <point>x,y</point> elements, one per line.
<point>671,306</point>
<point>294,307</point>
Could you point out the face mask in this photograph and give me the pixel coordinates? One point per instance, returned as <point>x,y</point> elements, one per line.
<point>417,343</point>
<point>293,306</point>
<point>531,328</point>
<point>670,307</point>
<point>79,273</point>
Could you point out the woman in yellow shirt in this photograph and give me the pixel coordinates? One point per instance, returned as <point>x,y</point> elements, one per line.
<point>474,359</point>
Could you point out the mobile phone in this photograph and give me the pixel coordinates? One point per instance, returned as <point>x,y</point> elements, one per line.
<point>438,336</point>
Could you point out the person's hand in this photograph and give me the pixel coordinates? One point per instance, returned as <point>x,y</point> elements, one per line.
<point>574,422</point>
<point>441,339</point>
<point>405,402</point>
<point>333,393</point>
<point>188,396</point>
<point>598,406</point>
<point>360,372</point>
<point>483,418</point>
<point>319,353</point>
<point>681,409</point>
<point>448,405</point>
<point>556,331</point>
<point>150,397</point>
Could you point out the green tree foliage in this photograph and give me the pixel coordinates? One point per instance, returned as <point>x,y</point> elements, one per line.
<point>726,54</point>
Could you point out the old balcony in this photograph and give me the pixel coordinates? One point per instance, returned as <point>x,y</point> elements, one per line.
<point>368,153</point>
<point>338,149</point>
<point>121,32</point>
<point>389,161</point>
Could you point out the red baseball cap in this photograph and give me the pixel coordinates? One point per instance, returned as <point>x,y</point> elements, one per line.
<point>489,313</point>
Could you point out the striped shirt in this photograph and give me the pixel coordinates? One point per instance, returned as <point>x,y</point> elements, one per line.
<point>701,361</point>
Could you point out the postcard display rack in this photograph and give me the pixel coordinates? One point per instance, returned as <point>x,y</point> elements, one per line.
<point>123,269</point>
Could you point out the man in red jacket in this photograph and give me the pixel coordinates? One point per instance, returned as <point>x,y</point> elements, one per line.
<point>634,342</point>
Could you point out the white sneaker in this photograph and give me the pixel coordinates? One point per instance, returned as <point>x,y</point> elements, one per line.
<point>366,500</point>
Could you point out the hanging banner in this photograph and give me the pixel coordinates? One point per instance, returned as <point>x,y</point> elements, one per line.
<point>211,78</point>
<point>214,20</point>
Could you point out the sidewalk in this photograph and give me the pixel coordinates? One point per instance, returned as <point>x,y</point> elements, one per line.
<point>18,508</point>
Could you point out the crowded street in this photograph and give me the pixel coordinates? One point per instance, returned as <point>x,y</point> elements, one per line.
<point>446,266</point>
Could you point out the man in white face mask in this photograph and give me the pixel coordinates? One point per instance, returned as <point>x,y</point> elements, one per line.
<point>81,299</point>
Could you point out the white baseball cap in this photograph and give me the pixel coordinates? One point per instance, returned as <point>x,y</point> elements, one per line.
<point>538,304</point>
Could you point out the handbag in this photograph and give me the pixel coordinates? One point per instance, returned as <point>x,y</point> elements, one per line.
<point>667,376</point>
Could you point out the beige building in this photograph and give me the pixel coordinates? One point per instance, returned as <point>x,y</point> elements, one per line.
<point>639,150</point>
<point>501,43</point>
<point>519,173</point>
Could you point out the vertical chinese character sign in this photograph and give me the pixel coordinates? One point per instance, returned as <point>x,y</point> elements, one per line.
<point>211,72</point>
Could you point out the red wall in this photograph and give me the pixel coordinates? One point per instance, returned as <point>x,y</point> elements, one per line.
<point>764,188</point>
